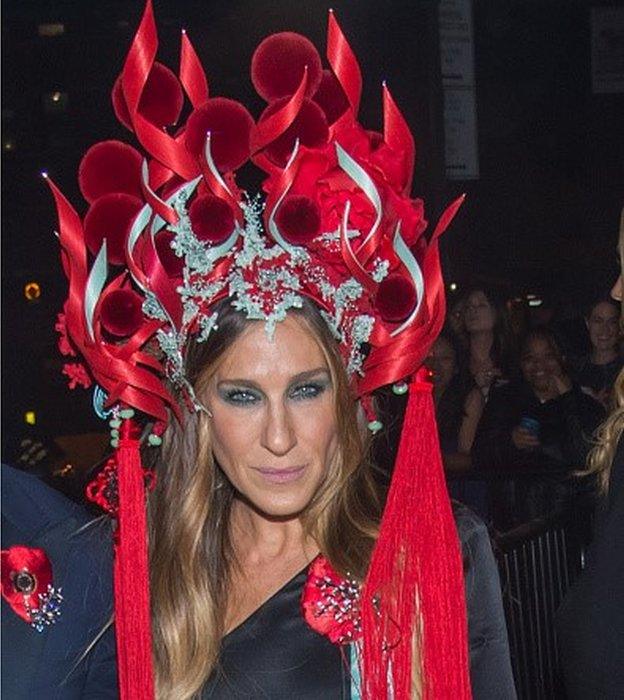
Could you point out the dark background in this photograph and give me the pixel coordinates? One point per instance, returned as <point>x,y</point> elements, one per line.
<point>542,218</point>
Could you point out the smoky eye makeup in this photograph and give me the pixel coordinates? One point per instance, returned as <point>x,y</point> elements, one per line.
<point>307,387</point>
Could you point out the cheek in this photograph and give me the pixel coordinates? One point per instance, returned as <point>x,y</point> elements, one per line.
<point>232,436</point>
<point>317,429</point>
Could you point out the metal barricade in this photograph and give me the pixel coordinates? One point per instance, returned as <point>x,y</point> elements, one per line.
<point>537,562</point>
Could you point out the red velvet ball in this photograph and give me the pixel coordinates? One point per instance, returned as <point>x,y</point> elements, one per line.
<point>161,102</point>
<point>330,97</point>
<point>309,126</point>
<point>121,312</point>
<point>169,260</point>
<point>298,219</point>
<point>229,124</point>
<point>110,166</point>
<point>278,63</point>
<point>212,219</point>
<point>110,217</point>
<point>396,298</point>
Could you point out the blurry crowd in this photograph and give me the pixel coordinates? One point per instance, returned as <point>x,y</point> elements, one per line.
<point>518,397</point>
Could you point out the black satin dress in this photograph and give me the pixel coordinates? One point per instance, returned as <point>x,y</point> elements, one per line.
<point>275,654</point>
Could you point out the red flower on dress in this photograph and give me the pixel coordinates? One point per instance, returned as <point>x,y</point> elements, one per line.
<point>27,585</point>
<point>331,603</point>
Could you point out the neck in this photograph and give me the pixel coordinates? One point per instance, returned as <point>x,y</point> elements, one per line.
<point>481,344</point>
<point>259,539</point>
<point>603,357</point>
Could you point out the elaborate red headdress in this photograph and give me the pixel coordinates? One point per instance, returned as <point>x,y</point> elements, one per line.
<point>171,234</point>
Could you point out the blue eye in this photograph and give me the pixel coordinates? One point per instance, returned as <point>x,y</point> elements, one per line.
<point>308,391</point>
<point>240,397</point>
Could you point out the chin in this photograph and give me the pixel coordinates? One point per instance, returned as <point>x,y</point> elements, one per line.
<point>286,507</point>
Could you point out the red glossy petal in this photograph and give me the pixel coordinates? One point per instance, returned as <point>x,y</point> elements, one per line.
<point>110,217</point>
<point>172,263</point>
<point>309,126</point>
<point>229,124</point>
<point>396,298</point>
<point>110,166</point>
<point>212,218</point>
<point>298,219</point>
<point>278,63</point>
<point>330,97</point>
<point>161,102</point>
<point>121,312</point>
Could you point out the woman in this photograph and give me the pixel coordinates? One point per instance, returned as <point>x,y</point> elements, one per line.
<point>251,359</point>
<point>597,371</point>
<point>590,625</point>
<point>541,423</point>
<point>458,402</point>
<point>489,339</point>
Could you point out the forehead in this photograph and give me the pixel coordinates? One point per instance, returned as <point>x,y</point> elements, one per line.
<point>604,310</point>
<point>292,349</point>
<point>538,346</point>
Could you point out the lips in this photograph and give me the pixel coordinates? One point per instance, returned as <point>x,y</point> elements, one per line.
<point>281,476</point>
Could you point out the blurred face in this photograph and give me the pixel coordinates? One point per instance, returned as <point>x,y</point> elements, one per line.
<point>539,362</point>
<point>442,362</point>
<point>479,314</point>
<point>274,426</point>
<point>602,326</point>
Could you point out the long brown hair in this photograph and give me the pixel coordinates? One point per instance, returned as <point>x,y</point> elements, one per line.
<point>191,554</point>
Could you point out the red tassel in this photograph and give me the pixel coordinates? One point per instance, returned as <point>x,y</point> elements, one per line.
<point>414,584</point>
<point>132,600</point>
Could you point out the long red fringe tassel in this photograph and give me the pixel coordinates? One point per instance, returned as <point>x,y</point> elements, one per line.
<point>414,586</point>
<point>131,575</point>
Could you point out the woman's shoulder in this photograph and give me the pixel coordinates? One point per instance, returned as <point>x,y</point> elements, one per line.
<point>470,527</point>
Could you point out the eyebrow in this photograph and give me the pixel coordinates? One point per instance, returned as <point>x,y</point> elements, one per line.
<point>302,376</point>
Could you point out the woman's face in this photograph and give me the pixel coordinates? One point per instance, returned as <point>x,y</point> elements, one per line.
<point>274,427</point>
<point>479,315</point>
<point>602,325</point>
<point>539,363</point>
<point>442,362</point>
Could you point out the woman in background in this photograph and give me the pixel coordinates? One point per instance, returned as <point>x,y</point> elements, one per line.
<point>598,370</point>
<point>489,339</point>
<point>541,423</point>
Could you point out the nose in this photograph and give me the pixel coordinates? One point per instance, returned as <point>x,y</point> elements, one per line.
<point>278,435</point>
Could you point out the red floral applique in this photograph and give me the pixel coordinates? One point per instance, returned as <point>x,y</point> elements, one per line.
<point>27,586</point>
<point>331,603</point>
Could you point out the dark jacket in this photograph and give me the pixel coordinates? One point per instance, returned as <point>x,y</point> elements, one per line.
<point>590,624</point>
<point>490,666</point>
<point>565,425</point>
<point>52,664</point>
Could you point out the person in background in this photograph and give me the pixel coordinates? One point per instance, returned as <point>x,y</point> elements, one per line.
<point>596,371</point>
<point>590,622</point>
<point>489,339</point>
<point>542,422</point>
<point>459,403</point>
